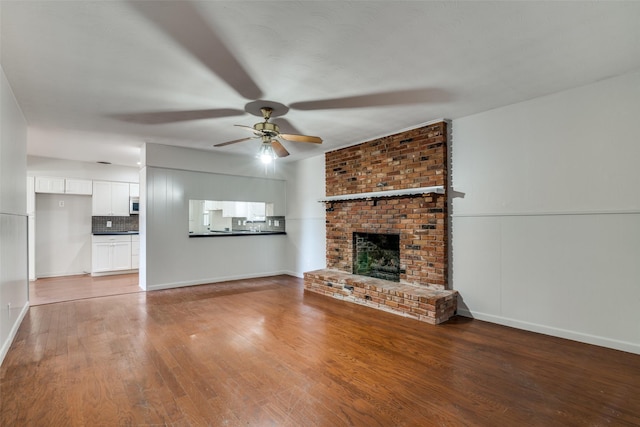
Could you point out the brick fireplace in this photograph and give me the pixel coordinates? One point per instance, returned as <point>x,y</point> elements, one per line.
<point>415,159</point>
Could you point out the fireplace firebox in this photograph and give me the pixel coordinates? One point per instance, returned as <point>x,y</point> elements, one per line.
<point>377,255</point>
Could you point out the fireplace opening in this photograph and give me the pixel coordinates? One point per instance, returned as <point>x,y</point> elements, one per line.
<point>377,255</point>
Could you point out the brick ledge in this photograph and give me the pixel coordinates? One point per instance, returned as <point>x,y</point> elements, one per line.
<point>421,302</point>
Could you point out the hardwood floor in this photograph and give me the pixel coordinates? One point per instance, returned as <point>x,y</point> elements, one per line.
<point>263,352</point>
<point>68,288</point>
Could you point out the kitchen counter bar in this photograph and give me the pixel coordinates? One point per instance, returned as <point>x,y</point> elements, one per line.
<point>236,233</point>
<point>116,233</point>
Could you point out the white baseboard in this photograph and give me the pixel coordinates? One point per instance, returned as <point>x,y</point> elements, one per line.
<point>172,285</point>
<point>113,273</point>
<point>555,332</point>
<point>48,275</point>
<point>12,334</point>
<point>294,274</point>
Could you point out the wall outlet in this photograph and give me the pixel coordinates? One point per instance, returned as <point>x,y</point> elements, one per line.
<point>108,223</point>
<point>61,203</point>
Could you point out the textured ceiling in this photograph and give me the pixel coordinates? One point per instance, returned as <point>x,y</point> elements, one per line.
<point>96,79</point>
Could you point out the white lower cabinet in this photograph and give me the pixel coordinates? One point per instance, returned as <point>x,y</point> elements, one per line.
<point>135,252</point>
<point>110,253</point>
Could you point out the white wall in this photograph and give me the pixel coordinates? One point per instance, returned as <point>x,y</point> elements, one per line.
<point>169,257</point>
<point>306,216</point>
<point>546,228</point>
<point>63,237</point>
<point>13,131</point>
<point>14,290</point>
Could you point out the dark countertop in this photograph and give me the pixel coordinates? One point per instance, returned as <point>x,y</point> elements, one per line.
<point>235,233</point>
<point>115,233</point>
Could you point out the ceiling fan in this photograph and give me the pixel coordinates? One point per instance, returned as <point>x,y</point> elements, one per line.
<point>200,40</point>
<point>269,132</point>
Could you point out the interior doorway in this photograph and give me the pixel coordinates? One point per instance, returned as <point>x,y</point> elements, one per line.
<point>69,288</point>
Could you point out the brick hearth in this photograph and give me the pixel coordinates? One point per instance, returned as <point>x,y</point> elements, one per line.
<point>425,303</point>
<point>412,159</point>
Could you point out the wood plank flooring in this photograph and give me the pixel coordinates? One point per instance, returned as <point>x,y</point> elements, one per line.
<point>263,352</point>
<point>68,288</point>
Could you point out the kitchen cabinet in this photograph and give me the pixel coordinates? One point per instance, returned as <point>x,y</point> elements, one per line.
<point>56,185</point>
<point>48,184</point>
<point>110,253</point>
<point>134,190</point>
<point>135,252</point>
<point>110,198</point>
<point>78,186</point>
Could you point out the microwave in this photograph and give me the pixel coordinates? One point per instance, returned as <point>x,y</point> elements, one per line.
<point>134,205</point>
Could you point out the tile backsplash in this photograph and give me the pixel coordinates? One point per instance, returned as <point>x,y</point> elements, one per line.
<point>118,223</point>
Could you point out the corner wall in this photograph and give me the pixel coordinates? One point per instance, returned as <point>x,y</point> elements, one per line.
<point>306,216</point>
<point>168,256</point>
<point>14,275</point>
<point>546,214</point>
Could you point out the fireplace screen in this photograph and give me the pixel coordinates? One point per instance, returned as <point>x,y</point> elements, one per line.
<point>377,255</point>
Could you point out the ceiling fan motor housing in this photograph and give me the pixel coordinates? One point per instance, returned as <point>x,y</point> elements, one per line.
<point>270,131</point>
<point>267,128</point>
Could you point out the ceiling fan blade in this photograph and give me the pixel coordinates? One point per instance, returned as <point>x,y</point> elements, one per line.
<point>160,117</point>
<point>251,129</point>
<point>279,149</point>
<point>222,144</point>
<point>184,23</point>
<point>399,97</point>
<point>301,138</point>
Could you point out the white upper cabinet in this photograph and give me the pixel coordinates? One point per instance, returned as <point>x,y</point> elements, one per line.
<point>78,186</point>
<point>48,184</point>
<point>56,185</point>
<point>101,199</point>
<point>134,190</point>
<point>110,198</point>
<point>120,198</point>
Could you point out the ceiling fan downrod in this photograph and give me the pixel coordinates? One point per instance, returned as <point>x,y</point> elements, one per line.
<point>267,128</point>
<point>266,113</point>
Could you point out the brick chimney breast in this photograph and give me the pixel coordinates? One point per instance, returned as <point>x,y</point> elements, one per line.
<point>413,159</point>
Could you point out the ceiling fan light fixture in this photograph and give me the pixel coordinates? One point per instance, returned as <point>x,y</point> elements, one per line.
<point>271,148</point>
<point>266,154</point>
